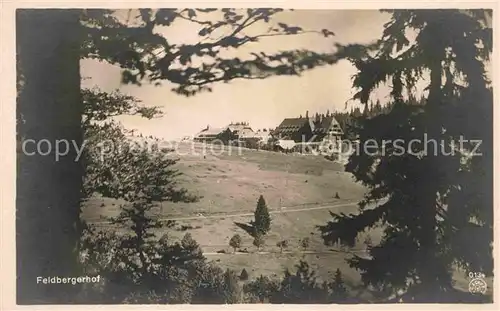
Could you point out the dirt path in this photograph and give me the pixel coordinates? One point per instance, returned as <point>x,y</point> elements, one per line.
<point>283,210</point>
<point>356,252</point>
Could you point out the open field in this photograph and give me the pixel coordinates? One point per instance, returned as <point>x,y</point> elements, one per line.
<point>231,182</point>
<point>299,191</point>
<point>300,194</point>
<point>214,234</point>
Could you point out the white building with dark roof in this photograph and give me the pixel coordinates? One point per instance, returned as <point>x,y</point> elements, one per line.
<point>322,132</point>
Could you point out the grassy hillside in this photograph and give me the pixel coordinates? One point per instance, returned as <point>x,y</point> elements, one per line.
<point>232,181</point>
<point>229,182</point>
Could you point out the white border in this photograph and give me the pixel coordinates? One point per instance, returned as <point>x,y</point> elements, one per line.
<point>8,145</point>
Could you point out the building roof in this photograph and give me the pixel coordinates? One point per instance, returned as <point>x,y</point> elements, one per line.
<point>292,122</point>
<point>246,133</point>
<point>324,124</point>
<point>238,127</point>
<point>290,126</point>
<point>318,125</point>
<point>210,131</point>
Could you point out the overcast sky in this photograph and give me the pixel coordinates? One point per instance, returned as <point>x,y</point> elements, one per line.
<point>262,103</point>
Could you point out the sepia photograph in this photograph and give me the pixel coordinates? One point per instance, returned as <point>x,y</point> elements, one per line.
<point>222,156</point>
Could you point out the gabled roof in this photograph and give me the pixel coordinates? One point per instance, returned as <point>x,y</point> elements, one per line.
<point>211,131</point>
<point>292,123</point>
<point>325,124</point>
<point>238,127</point>
<point>246,133</point>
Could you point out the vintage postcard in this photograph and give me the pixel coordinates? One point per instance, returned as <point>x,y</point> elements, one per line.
<point>237,154</point>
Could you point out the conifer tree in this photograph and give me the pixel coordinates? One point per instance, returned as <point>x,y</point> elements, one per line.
<point>139,267</point>
<point>301,287</point>
<point>263,288</point>
<point>232,289</point>
<point>210,287</point>
<point>262,222</point>
<point>433,205</point>
<point>244,275</point>
<point>339,291</point>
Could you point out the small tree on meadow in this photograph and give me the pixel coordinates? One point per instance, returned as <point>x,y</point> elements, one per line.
<point>259,241</point>
<point>282,244</point>
<point>244,275</point>
<point>262,223</point>
<point>305,242</point>
<point>235,242</point>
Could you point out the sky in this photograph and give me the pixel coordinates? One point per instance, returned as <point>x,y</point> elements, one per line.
<point>262,103</point>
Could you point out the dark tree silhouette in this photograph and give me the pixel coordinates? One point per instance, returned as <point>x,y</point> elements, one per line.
<point>101,106</point>
<point>244,275</point>
<point>48,191</point>
<point>100,130</point>
<point>162,60</point>
<point>437,208</point>
<point>262,221</point>
<point>50,44</point>
<point>339,291</point>
<point>301,287</point>
<point>263,288</point>
<point>136,264</point>
<point>232,289</point>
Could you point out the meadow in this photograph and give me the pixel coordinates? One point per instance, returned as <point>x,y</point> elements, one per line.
<point>300,194</point>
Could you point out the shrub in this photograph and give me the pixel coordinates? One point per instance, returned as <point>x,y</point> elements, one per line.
<point>235,242</point>
<point>305,242</point>
<point>244,275</point>
<point>262,288</point>
<point>282,244</point>
<point>259,241</point>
